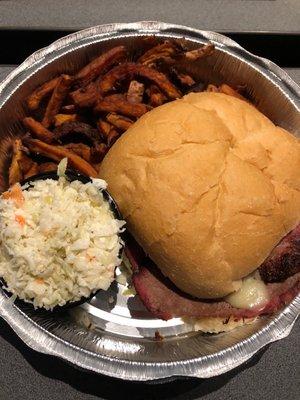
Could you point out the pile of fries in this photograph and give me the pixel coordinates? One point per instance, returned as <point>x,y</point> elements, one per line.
<point>81,116</point>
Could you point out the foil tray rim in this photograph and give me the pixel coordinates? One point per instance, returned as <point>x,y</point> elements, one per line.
<point>202,367</point>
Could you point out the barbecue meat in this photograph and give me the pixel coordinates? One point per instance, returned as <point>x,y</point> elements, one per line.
<point>164,300</point>
<point>284,261</point>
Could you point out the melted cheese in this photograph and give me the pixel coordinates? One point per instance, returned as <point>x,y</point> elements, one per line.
<point>252,294</point>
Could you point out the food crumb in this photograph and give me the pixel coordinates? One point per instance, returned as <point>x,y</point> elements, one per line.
<point>158,337</point>
<point>82,318</point>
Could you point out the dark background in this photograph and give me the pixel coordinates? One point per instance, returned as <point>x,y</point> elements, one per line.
<point>271,374</point>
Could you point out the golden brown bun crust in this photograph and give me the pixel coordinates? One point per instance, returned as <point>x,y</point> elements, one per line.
<point>208,186</point>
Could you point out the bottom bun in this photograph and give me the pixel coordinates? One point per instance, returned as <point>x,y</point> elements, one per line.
<point>217,324</point>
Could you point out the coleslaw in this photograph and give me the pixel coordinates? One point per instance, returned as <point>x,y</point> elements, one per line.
<point>59,241</point>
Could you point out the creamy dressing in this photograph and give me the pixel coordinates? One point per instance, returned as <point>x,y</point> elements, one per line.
<point>252,294</point>
<point>59,241</point>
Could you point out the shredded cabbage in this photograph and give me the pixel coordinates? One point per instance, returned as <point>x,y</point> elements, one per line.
<point>62,167</point>
<point>61,245</point>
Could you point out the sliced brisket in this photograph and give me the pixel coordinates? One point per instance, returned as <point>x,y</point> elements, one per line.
<point>284,261</point>
<point>165,301</point>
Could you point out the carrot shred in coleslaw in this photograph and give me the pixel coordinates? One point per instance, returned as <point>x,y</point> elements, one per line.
<point>15,194</point>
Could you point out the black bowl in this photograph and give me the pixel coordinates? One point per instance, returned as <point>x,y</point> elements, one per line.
<point>71,175</point>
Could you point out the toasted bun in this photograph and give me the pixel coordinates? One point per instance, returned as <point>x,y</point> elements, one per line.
<point>208,186</point>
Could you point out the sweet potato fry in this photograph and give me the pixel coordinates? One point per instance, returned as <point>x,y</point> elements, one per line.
<point>117,104</point>
<point>34,100</point>
<point>86,96</point>
<point>112,137</point>
<point>118,121</point>
<point>103,127</point>
<point>231,92</point>
<point>15,173</point>
<point>25,163</point>
<point>38,130</point>
<point>33,170</point>
<point>47,167</point>
<point>82,150</point>
<point>57,153</point>
<point>212,88</point>
<point>130,70</point>
<point>162,51</point>
<point>100,65</point>
<point>135,92</point>
<point>226,89</point>
<point>58,96</point>
<point>98,152</point>
<point>156,97</point>
<point>119,90</point>
<point>184,80</point>
<point>62,118</point>
<point>108,132</point>
<point>77,128</point>
<point>202,52</point>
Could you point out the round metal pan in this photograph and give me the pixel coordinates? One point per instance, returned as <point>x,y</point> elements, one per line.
<point>113,334</point>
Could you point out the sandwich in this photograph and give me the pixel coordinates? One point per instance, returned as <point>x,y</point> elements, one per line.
<point>210,190</point>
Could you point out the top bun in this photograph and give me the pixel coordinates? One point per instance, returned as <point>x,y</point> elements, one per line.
<point>208,186</point>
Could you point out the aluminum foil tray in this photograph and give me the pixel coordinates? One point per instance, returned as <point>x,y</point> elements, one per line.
<point>113,334</point>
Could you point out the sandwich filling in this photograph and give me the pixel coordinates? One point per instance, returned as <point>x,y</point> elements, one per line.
<point>258,295</point>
